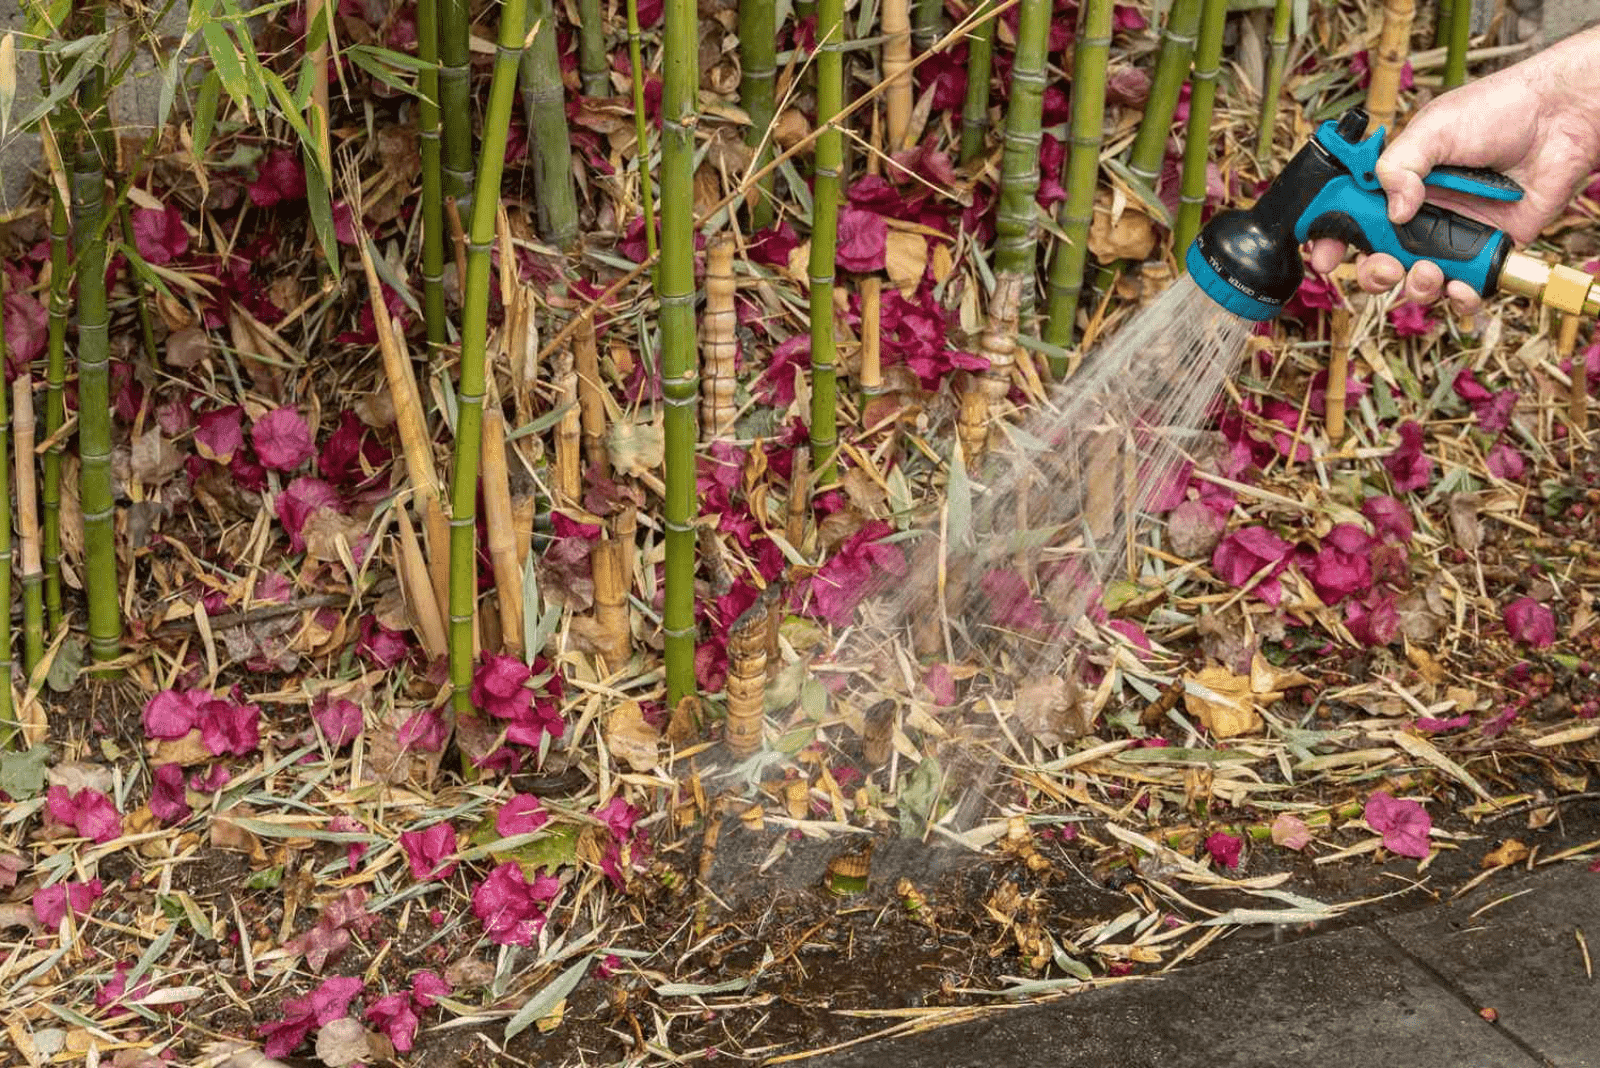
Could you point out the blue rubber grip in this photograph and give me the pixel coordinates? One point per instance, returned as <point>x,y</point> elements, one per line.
<point>1478,181</point>
<point>1465,249</point>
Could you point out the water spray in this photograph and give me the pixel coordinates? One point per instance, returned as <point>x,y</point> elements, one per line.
<point>1249,262</point>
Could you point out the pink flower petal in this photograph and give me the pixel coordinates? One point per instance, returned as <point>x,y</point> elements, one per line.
<point>1529,621</point>
<point>1403,824</point>
<point>521,814</point>
<point>429,851</point>
<point>1225,848</point>
<point>1290,832</point>
<point>282,439</point>
<point>168,802</point>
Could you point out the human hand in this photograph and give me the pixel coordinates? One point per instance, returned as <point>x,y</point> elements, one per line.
<point>1537,121</point>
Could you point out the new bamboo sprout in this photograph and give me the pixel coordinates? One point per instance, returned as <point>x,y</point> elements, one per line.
<point>32,570</point>
<point>1196,149</point>
<point>680,384</point>
<point>925,22</point>
<point>1278,56</point>
<point>1394,43</point>
<point>747,679</point>
<point>1455,65</point>
<point>1016,226</point>
<point>1172,67</point>
<point>474,335</point>
<point>824,238</point>
<point>757,87</point>
<point>641,128</point>
<point>433,309</point>
<point>719,345</point>
<point>592,59</point>
<point>975,108</point>
<point>544,102</point>
<point>502,532</point>
<point>899,98</point>
<point>100,583</point>
<point>1090,55</point>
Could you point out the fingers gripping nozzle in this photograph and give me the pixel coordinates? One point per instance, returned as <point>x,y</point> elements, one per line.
<point>1249,260</point>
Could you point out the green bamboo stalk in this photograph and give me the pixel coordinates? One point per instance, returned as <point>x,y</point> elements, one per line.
<point>975,110</point>
<point>474,338</point>
<point>758,51</point>
<point>9,726</point>
<point>1192,191</point>
<point>680,379</point>
<point>1016,220</point>
<point>100,584</point>
<point>1172,67</point>
<point>433,239</point>
<point>1090,56</point>
<point>544,102</point>
<point>925,20</point>
<point>641,127</point>
<point>1270,92</point>
<point>593,63</point>
<point>825,238</point>
<point>55,402</point>
<point>1443,21</point>
<point>455,99</point>
<point>1455,63</point>
<point>804,9</point>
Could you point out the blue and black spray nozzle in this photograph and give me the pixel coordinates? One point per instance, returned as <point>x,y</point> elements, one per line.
<point>1249,261</point>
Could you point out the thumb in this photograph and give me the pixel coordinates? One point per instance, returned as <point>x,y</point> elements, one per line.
<point>1402,167</point>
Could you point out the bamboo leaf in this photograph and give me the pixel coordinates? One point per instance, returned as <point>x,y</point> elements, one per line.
<point>205,113</point>
<point>88,59</point>
<point>365,59</point>
<point>959,499</point>
<point>225,61</point>
<point>320,205</point>
<point>545,1001</point>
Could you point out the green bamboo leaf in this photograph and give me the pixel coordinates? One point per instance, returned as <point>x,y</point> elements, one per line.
<point>88,60</point>
<point>321,207</point>
<point>205,113</point>
<point>225,61</point>
<point>388,56</point>
<point>545,1001</point>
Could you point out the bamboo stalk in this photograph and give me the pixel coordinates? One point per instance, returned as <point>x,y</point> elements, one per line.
<point>824,239</point>
<point>999,341</point>
<point>613,634</point>
<point>433,307</point>
<point>1197,147</point>
<point>975,108</point>
<point>1338,374</point>
<point>455,100</point>
<point>925,23</point>
<point>502,532</point>
<point>1443,22</point>
<point>101,586</point>
<point>799,503</point>
<point>1278,57</point>
<point>747,678</point>
<point>1090,56</point>
<point>1016,225</point>
<point>1578,392</point>
<point>1455,64</point>
<point>641,128</point>
<point>719,344</point>
<point>625,528</point>
<point>871,339</point>
<point>1394,44</point>
<point>899,98</point>
<point>544,102</point>
<point>8,720</point>
<point>474,337</point>
<point>592,59</point>
<point>55,401</point>
<point>32,568</point>
<point>1166,85</point>
<point>972,426</point>
<point>680,384</point>
<point>418,587</point>
<point>524,512</point>
<point>569,433</point>
<point>757,93</point>
<point>591,399</point>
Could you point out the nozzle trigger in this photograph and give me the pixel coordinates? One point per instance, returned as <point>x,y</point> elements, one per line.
<point>1477,181</point>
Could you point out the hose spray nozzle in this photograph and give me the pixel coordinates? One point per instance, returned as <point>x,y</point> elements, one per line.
<point>1249,260</point>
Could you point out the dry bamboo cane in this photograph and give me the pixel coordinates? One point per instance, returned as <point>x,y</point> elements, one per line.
<point>799,499</point>
<point>625,528</point>
<point>747,681</point>
<point>1338,374</point>
<point>569,433</point>
<point>502,533</point>
<point>31,557</point>
<point>972,426</point>
<point>1578,393</point>
<point>524,510</point>
<point>1394,43</point>
<point>591,399</point>
<point>719,344</point>
<point>613,632</point>
<point>900,97</point>
<point>871,374</point>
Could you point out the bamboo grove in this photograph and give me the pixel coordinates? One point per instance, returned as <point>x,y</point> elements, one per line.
<point>861,106</point>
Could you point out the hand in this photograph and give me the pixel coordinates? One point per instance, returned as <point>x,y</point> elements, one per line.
<point>1537,121</point>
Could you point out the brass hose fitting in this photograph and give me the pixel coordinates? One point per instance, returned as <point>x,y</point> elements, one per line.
<point>1557,286</point>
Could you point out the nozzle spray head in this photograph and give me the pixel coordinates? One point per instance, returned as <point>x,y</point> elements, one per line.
<point>1249,262</point>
